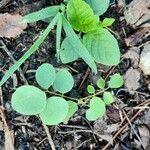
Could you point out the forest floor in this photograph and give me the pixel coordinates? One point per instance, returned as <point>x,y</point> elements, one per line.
<point>126,125</point>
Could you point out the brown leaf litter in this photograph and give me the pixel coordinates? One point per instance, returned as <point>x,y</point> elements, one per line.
<point>10,26</point>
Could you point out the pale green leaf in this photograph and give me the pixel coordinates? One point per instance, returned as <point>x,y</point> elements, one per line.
<point>81,16</point>
<point>28,100</point>
<point>101,83</point>
<point>41,14</point>
<point>55,111</point>
<point>90,89</point>
<point>73,107</point>
<point>64,81</point>
<point>116,81</point>
<point>97,109</point>
<point>108,98</point>
<point>68,53</point>
<point>45,75</point>
<point>79,48</point>
<point>99,6</point>
<point>107,22</point>
<point>103,46</point>
<point>32,49</point>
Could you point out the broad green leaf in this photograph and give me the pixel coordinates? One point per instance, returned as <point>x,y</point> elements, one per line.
<point>28,100</point>
<point>108,98</point>
<point>99,6</point>
<point>79,48</point>
<point>103,46</point>
<point>73,107</point>
<point>55,111</point>
<point>32,49</point>
<point>41,14</point>
<point>64,81</point>
<point>97,109</point>
<point>45,75</point>
<point>81,16</point>
<point>101,83</point>
<point>107,22</point>
<point>116,81</point>
<point>68,53</point>
<point>58,36</point>
<point>90,89</point>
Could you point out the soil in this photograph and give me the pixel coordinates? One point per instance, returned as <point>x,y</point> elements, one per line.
<point>28,132</point>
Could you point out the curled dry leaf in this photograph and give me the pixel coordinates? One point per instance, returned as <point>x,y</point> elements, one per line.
<point>138,13</point>
<point>10,26</point>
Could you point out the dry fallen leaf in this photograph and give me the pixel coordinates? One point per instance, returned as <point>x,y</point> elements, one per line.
<point>132,78</point>
<point>138,12</point>
<point>10,26</point>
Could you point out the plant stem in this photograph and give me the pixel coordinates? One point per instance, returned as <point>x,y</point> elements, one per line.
<point>49,137</point>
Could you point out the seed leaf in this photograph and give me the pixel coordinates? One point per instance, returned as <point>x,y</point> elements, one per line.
<point>81,16</point>
<point>90,89</point>
<point>108,98</point>
<point>99,6</point>
<point>73,107</point>
<point>55,111</point>
<point>102,45</point>
<point>64,81</point>
<point>28,100</point>
<point>45,75</point>
<point>97,109</point>
<point>116,81</point>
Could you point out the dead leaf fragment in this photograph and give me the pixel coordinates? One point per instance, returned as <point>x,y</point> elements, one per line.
<point>10,26</point>
<point>138,12</point>
<point>132,77</point>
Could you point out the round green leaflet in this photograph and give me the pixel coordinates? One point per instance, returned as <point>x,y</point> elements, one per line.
<point>116,81</point>
<point>45,75</point>
<point>64,81</point>
<point>97,109</point>
<point>28,100</point>
<point>108,98</point>
<point>101,83</point>
<point>55,111</point>
<point>90,89</point>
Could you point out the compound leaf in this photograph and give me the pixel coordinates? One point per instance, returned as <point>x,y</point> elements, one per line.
<point>45,75</point>
<point>73,107</point>
<point>41,14</point>
<point>108,98</point>
<point>64,81</point>
<point>28,100</point>
<point>81,16</point>
<point>99,6</point>
<point>97,109</point>
<point>103,46</point>
<point>67,53</point>
<point>116,81</point>
<point>55,111</point>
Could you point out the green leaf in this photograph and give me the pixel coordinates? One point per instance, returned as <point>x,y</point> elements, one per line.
<point>68,53</point>
<point>64,81</point>
<point>73,107</point>
<point>45,75</point>
<point>32,49</point>
<point>99,6</point>
<point>102,45</point>
<point>101,83</point>
<point>55,111</point>
<point>79,48</point>
<point>107,22</point>
<point>108,98</point>
<point>116,81</point>
<point>90,89</point>
<point>28,100</point>
<point>81,16</point>
<point>58,36</point>
<point>97,109</point>
<point>41,14</point>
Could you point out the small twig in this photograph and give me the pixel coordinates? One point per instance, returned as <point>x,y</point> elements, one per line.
<point>49,137</point>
